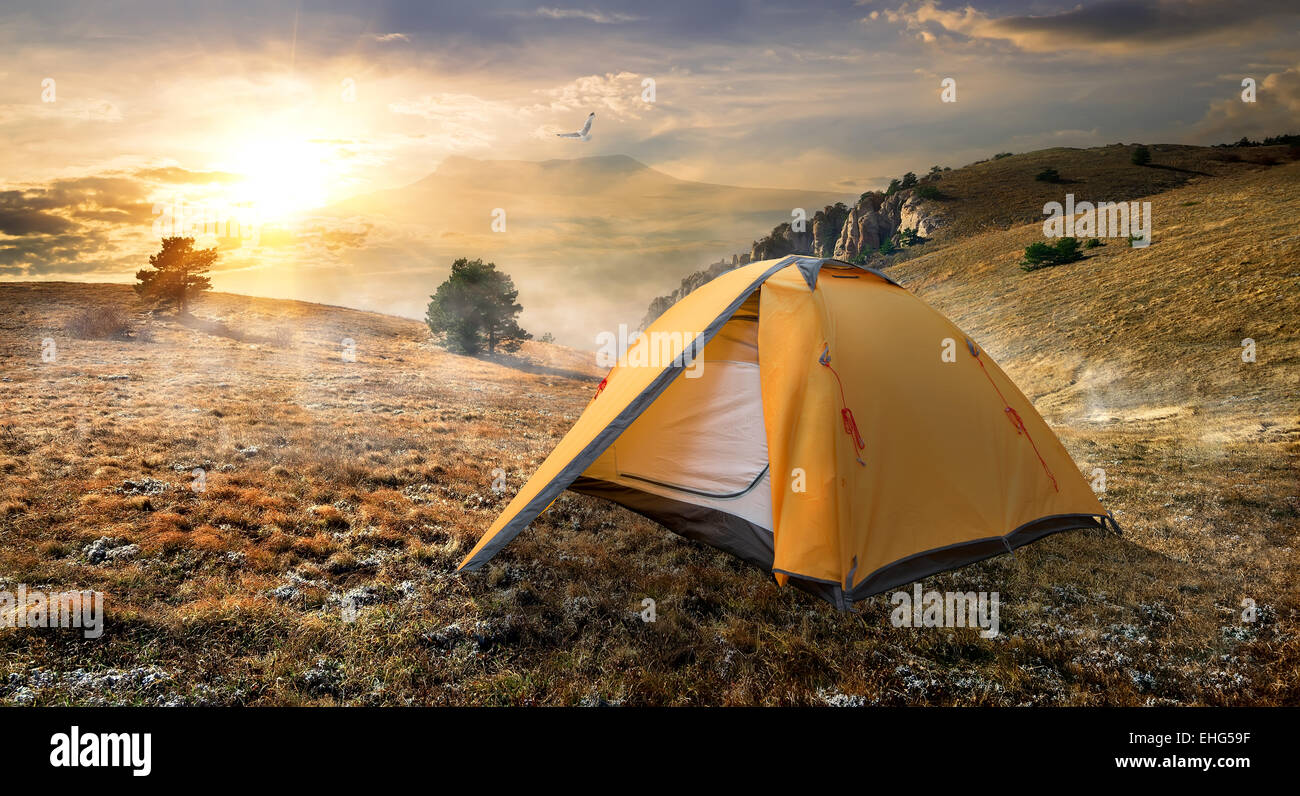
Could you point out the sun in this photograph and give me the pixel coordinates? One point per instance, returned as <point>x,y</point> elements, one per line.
<point>283,175</point>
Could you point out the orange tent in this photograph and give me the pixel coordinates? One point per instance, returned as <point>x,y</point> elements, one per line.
<point>816,419</point>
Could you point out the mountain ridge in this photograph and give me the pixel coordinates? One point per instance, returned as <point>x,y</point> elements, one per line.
<point>460,166</point>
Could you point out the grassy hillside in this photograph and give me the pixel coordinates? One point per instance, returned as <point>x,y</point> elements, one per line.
<point>329,482</point>
<point>1134,357</point>
<point>1003,192</point>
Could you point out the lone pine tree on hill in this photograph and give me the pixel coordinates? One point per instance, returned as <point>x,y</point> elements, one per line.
<point>476,308</point>
<point>179,273</point>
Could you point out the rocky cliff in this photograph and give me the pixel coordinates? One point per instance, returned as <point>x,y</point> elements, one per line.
<point>815,236</point>
<point>877,218</point>
<point>835,231</point>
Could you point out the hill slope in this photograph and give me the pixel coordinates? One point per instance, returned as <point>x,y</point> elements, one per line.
<point>334,484</point>
<point>993,194</point>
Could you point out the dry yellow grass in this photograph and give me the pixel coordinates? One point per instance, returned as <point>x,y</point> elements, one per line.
<point>329,480</point>
<point>1003,192</point>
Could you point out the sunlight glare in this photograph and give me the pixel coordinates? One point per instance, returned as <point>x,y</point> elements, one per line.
<point>283,176</point>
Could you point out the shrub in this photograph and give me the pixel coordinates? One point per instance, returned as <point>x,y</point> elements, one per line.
<point>1048,174</point>
<point>1092,243</point>
<point>99,323</point>
<point>1141,156</point>
<point>887,247</point>
<point>895,185</point>
<point>1001,155</point>
<point>909,237</point>
<point>1037,254</point>
<point>1044,255</point>
<point>930,192</point>
<point>1067,249</point>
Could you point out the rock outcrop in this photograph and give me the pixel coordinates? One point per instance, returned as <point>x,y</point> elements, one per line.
<point>877,218</point>
<point>817,237</point>
<point>826,226</point>
<point>834,231</point>
<point>781,241</point>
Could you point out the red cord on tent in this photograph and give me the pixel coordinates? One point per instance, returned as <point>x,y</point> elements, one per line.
<point>1013,415</point>
<point>846,414</point>
<point>600,387</point>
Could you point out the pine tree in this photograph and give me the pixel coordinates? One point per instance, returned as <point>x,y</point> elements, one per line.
<point>180,272</point>
<point>475,308</point>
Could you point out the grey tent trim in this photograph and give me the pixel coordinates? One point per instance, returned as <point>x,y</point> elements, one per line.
<point>753,544</point>
<point>810,267</point>
<point>942,559</point>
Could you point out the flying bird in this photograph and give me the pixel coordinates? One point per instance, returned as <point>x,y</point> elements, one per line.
<point>582,135</point>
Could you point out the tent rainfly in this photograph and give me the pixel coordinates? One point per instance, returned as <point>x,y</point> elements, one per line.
<point>816,419</point>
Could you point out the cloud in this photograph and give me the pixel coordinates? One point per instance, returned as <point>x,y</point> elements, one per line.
<point>76,254</point>
<point>23,221</point>
<point>178,175</point>
<point>462,122</point>
<point>71,110</point>
<point>95,225</point>
<point>1276,110</point>
<point>45,210</point>
<point>102,226</point>
<point>1114,25</point>
<point>467,122</point>
<point>850,184</point>
<point>1044,139</point>
<point>749,93</point>
<point>618,93</point>
<point>599,17</point>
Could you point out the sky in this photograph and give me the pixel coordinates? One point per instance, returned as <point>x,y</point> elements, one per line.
<point>109,111</point>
